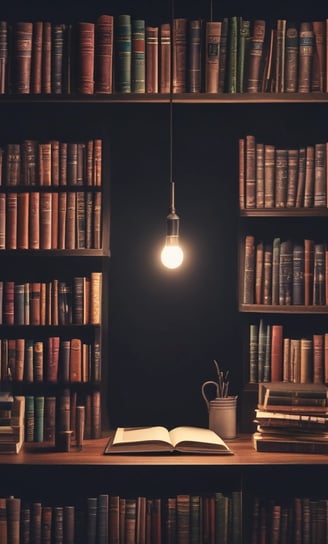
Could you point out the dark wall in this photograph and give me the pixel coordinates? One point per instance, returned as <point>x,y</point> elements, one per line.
<point>166,327</point>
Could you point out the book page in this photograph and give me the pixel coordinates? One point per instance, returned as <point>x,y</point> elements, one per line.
<point>195,434</point>
<point>126,435</point>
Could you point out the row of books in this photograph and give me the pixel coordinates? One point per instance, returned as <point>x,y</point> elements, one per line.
<point>296,519</point>
<point>76,301</point>
<point>291,418</point>
<point>51,163</point>
<point>284,272</point>
<point>276,177</point>
<point>130,55</point>
<point>53,360</point>
<point>273,356</point>
<point>110,519</point>
<point>50,220</point>
<point>47,416</point>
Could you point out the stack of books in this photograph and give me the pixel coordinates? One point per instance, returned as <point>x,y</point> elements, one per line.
<point>12,412</point>
<point>292,417</point>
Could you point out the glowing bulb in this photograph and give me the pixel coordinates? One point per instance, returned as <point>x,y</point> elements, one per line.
<point>172,254</point>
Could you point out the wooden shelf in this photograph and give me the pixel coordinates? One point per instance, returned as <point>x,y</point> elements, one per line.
<point>283,309</point>
<point>184,98</point>
<point>92,455</point>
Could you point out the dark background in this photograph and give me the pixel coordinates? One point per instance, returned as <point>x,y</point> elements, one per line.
<point>165,327</point>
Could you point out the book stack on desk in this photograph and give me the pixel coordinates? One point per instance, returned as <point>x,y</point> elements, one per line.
<point>292,417</point>
<point>12,411</point>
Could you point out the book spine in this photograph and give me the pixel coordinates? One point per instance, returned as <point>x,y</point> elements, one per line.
<point>104,38</point>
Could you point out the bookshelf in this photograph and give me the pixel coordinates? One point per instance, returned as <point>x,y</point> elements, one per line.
<point>157,340</point>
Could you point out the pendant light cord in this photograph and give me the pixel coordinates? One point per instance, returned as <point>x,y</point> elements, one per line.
<point>172,208</point>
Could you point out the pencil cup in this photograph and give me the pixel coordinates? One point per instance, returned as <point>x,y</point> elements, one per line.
<point>222,414</point>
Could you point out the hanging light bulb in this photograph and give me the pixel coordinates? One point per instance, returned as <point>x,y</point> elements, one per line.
<point>172,254</point>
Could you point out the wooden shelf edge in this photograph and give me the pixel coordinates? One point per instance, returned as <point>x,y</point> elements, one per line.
<point>92,455</point>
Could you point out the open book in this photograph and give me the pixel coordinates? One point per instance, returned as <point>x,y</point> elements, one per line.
<point>159,439</point>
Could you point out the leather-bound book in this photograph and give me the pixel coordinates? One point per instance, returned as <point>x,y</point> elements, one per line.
<point>36,68</point>
<point>34,220</point>
<point>45,164</point>
<point>12,164</point>
<point>46,58</point>
<point>11,221</point>
<point>152,58</point>
<point>29,162</point>
<point>3,56</point>
<point>97,162</point>
<point>8,302</point>
<point>305,56</point>
<point>58,36</point>
<point>104,37</point>
<point>22,57</point>
<point>212,56</point>
<point>75,374</point>
<point>23,220</point>
<point>138,59</point>
<point>70,235</point>
<point>195,51</point>
<point>165,58</point>
<point>179,55</point>
<point>123,53</point>
<point>45,220</point>
<point>52,360</point>
<point>85,57</point>
<point>2,220</point>
<point>255,56</point>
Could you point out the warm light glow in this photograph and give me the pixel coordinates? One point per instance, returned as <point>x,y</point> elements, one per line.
<point>172,254</point>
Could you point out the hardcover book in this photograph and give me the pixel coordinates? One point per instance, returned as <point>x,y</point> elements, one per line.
<point>159,439</point>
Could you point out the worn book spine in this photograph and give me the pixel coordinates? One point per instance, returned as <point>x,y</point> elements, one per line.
<point>280,55</point>
<point>281,178</point>
<point>46,58</point>
<point>276,352</point>
<point>3,57</point>
<point>165,58</point>
<point>75,360</point>
<point>11,221</point>
<point>22,57</point>
<point>255,56</point>
<point>306,47</point>
<point>123,55</point>
<point>269,175</point>
<point>104,38</point>
<point>243,53</point>
<point>212,59</point>
<point>85,58</point>
<point>298,273</point>
<point>292,173</point>
<point>152,59</point>
<point>291,57</point>
<point>195,55</point>
<point>223,65</point>
<point>36,66</point>
<point>138,58</point>
<point>250,171</point>
<point>179,55</point>
<point>319,56</point>
<point>320,174</point>
<point>249,270</point>
<point>259,176</point>
<point>58,34</point>
<point>22,220</point>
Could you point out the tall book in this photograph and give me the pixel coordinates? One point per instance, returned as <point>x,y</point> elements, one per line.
<point>319,57</point>
<point>85,57</point>
<point>104,39</point>
<point>276,353</point>
<point>138,57</point>
<point>280,55</point>
<point>255,56</point>
<point>212,58</point>
<point>291,57</point>
<point>22,57</point>
<point>165,58</point>
<point>123,55</point>
<point>152,59</point>
<point>195,54</point>
<point>179,55</point>
<point>232,51</point>
<point>3,57</point>
<point>306,48</point>
<point>249,270</point>
<point>36,66</point>
<point>58,36</point>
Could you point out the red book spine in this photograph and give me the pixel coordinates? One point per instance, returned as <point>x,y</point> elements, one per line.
<point>36,68</point>
<point>104,54</point>
<point>23,33</point>
<point>22,220</point>
<point>46,58</point>
<point>276,353</point>
<point>86,49</point>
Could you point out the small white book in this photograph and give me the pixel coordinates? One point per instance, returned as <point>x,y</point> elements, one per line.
<point>159,439</point>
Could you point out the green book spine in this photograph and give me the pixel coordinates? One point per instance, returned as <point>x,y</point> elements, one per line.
<point>138,72</point>
<point>253,353</point>
<point>29,418</point>
<point>38,418</point>
<point>232,55</point>
<point>123,53</point>
<point>244,33</point>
